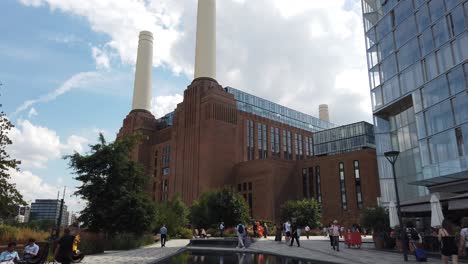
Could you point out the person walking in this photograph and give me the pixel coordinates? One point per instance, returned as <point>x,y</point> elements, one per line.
<point>163,233</point>
<point>221,229</point>
<point>295,235</point>
<point>449,247</point>
<point>278,235</point>
<point>336,233</point>
<point>307,230</point>
<point>240,230</point>
<point>287,231</point>
<point>64,249</point>
<point>265,230</point>
<point>463,244</point>
<point>330,231</point>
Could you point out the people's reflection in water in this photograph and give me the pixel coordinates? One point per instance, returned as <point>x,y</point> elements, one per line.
<point>221,259</point>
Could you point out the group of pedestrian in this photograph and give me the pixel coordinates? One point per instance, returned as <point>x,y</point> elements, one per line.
<point>452,244</point>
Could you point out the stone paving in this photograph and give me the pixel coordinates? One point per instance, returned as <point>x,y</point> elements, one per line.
<point>145,255</point>
<point>317,248</point>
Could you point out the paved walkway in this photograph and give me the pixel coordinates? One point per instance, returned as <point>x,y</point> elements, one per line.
<point>317,248</point>
<point>145,255</point>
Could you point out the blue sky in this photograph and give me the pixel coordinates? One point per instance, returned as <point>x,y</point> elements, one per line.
<point>75,61</point>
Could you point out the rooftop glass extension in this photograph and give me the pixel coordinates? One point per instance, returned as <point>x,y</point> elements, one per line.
<point>267,109</point>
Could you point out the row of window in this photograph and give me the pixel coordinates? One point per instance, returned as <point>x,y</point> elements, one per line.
<point>246,190</point>
<point>357,183</point>
<point>309,190</point>
<point>262,143</point>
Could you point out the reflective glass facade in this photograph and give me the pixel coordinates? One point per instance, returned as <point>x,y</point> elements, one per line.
<point>48,209</point>
<point>417,53</point>
<point>344,139</point>
<point>264,108</point>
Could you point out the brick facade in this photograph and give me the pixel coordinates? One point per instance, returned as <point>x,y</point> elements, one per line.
<point>206,147</point>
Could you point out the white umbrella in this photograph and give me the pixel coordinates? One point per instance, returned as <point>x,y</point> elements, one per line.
<point>392,213</point>
<point>436,212</point>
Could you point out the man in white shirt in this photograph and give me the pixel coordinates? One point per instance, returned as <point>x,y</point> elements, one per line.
<point>31,250</point>
<point>287,230</point>
<point>221,229</point>
<point>336,233</point>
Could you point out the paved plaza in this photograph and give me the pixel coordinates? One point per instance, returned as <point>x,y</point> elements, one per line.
<point>317,248</point>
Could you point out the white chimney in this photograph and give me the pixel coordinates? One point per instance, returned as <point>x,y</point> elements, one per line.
<point>205,51</point>
<point>323,112</point>
<point>144,65</point>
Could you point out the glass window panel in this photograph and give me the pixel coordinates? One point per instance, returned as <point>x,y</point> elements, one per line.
<point>417,103</point>
<point>451,3</point>
<point>437,9</point>
<point>431,67</point>
<point>384,26</point>
<point>411,78</point>
<point>423,18</point>
<point>391,90</point>
<point>389,67</point>
<point>386,46</point>
<point>408,54</point>
<point>459,48</point>
<point>377,97</point>
<point>371,38</point>
<point>460,108</point>
<point>456,80</point>
<point>405,31</point>
<point>425,41</point>
<point>440,32</point>
<point>457,21</point>
<point>443,147</point>
<point>425,155</point>
<point>417,3</point>
<point>462,140</point>
<point>435,91</point>
<point>403,10</point>
<point>444,58</point>
<point>421,125</point>
<point>439,117</point>
<point>372,58</point>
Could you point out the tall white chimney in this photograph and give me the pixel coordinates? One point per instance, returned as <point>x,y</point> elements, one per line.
<point>323,112</point>
<point>205,51</point>
<point>144,64</point>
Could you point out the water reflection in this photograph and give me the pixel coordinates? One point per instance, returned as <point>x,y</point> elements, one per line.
<point>207,257</point>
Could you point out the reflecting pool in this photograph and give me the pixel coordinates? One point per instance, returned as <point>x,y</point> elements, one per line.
<point>212,257</point>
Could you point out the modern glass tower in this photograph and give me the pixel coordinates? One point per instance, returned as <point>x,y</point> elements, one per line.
<point>417,53</point>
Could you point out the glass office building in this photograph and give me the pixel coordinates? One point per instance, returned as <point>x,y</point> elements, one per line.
<point>48,209</point>
<point>273,111</point>
<point>417,53</point>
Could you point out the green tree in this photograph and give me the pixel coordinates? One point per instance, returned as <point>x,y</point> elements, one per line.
<point>173,213</point>
<point>375,218</point>
<point>10,198</point>
<point>215,206</point>
<point>303,212</point>
<point>113,187</point>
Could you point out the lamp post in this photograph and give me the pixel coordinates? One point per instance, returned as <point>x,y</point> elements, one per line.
<point>392,157</point>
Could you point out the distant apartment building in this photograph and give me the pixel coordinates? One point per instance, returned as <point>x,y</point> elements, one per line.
<point>49,209</point>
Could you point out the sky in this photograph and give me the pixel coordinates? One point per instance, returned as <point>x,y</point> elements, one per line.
<point>67,68</point>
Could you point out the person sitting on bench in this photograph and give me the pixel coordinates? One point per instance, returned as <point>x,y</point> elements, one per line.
<point>9,256</point>
<point>30,250</point>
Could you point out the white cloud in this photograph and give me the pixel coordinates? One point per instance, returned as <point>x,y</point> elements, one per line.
<point>32,112</point>
<point>300,53</point>
<point>101,58</point>
<point>162,105</point>
<point>33,187</point>
<point>36,145</point>
<point>77,80</point>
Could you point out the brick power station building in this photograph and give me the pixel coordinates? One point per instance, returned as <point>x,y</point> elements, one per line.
<point>219,136</point>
